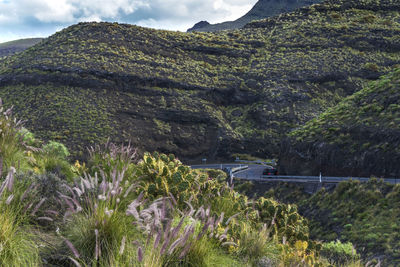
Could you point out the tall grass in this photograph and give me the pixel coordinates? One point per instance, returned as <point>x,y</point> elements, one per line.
<point>95,217</point>
<point>99,235</point>
<point>110,157</point>
<point>256,244</point>
<point>102,228</point>
<point>11,146</point>
<point>17,247</point>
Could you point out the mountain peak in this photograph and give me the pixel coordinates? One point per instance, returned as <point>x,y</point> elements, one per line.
<point>199,25</point>
<point>261,10</point>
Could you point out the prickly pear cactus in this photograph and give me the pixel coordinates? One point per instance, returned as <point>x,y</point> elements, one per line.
<point>162,175</point>
<point>284,218</point>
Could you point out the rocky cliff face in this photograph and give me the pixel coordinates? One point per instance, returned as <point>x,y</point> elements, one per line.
<point>359,136</point>
<point>261,10</point>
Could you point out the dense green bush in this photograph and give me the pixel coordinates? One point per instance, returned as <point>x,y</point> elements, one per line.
<point>285,219</point>
<point>28,137</point>
<point>56,149</point>
<point>339,253</point>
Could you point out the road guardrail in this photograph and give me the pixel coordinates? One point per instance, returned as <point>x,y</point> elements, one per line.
<point>240,168</point>
<point>325,179</point>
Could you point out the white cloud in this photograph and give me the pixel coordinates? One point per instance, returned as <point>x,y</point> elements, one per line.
<point>235,8</point>
<point>165,24</point>
<point>3,18</point>
<point>32,16</point>
<point>104,8</point>
<point>54,11</point>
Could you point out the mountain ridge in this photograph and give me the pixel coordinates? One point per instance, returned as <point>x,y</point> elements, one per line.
<point>12,47</point>
<point>262,9</point>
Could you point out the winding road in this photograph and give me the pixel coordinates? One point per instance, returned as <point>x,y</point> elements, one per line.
<point>255,172</point>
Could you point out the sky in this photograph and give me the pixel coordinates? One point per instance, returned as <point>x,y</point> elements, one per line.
<point>41,18</point>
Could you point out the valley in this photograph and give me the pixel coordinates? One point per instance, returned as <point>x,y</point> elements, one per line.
<point>118,142</point>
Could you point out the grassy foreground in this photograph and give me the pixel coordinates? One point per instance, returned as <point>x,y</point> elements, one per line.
<point>118,210</point>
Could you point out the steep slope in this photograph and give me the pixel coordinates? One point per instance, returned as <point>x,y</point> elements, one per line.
<point>12,47</point>
<point>261,10</point>
<point>200,94</point>
<point>359,136</point>
<point>366,214</point>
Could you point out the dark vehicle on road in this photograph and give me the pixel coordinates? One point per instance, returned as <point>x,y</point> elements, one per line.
<point>270,171</point>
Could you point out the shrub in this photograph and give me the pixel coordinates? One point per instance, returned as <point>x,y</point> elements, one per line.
<point>177,239</point>
<point>46,186</point>
<point>56,149</point>
<point>98,235</point>
<point>245,187</point>
<point>372,67</point>
<point>299,255</point>
<point>98,230</point>
<point>46,163</point>
<point>28,137</point>
<point>285,219</point>
<point>339,253</point>
<point>214,174</point>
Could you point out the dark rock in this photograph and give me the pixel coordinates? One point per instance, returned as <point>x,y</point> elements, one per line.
<point>199,25</point>
<point>237,113</point>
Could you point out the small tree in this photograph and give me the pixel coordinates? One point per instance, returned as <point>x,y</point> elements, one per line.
<point>56,149</point>
<point>339,253</point>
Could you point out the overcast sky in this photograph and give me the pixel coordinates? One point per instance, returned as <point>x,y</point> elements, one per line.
<point>41,18</point>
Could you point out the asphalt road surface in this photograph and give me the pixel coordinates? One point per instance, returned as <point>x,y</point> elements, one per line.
<point>254,172</point>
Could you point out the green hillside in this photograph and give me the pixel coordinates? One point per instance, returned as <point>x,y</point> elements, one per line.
<point>359,136</point>
<point>261,10</point>
<point>200,94</point>
<point>366,214</point>
<point>12,47</point>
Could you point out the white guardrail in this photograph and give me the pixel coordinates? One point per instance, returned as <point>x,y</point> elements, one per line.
<point>240,168</point>
<point>256,162</point>
<point>324,179</point>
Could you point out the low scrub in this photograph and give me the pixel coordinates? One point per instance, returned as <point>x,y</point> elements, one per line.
<point>117,209</point>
